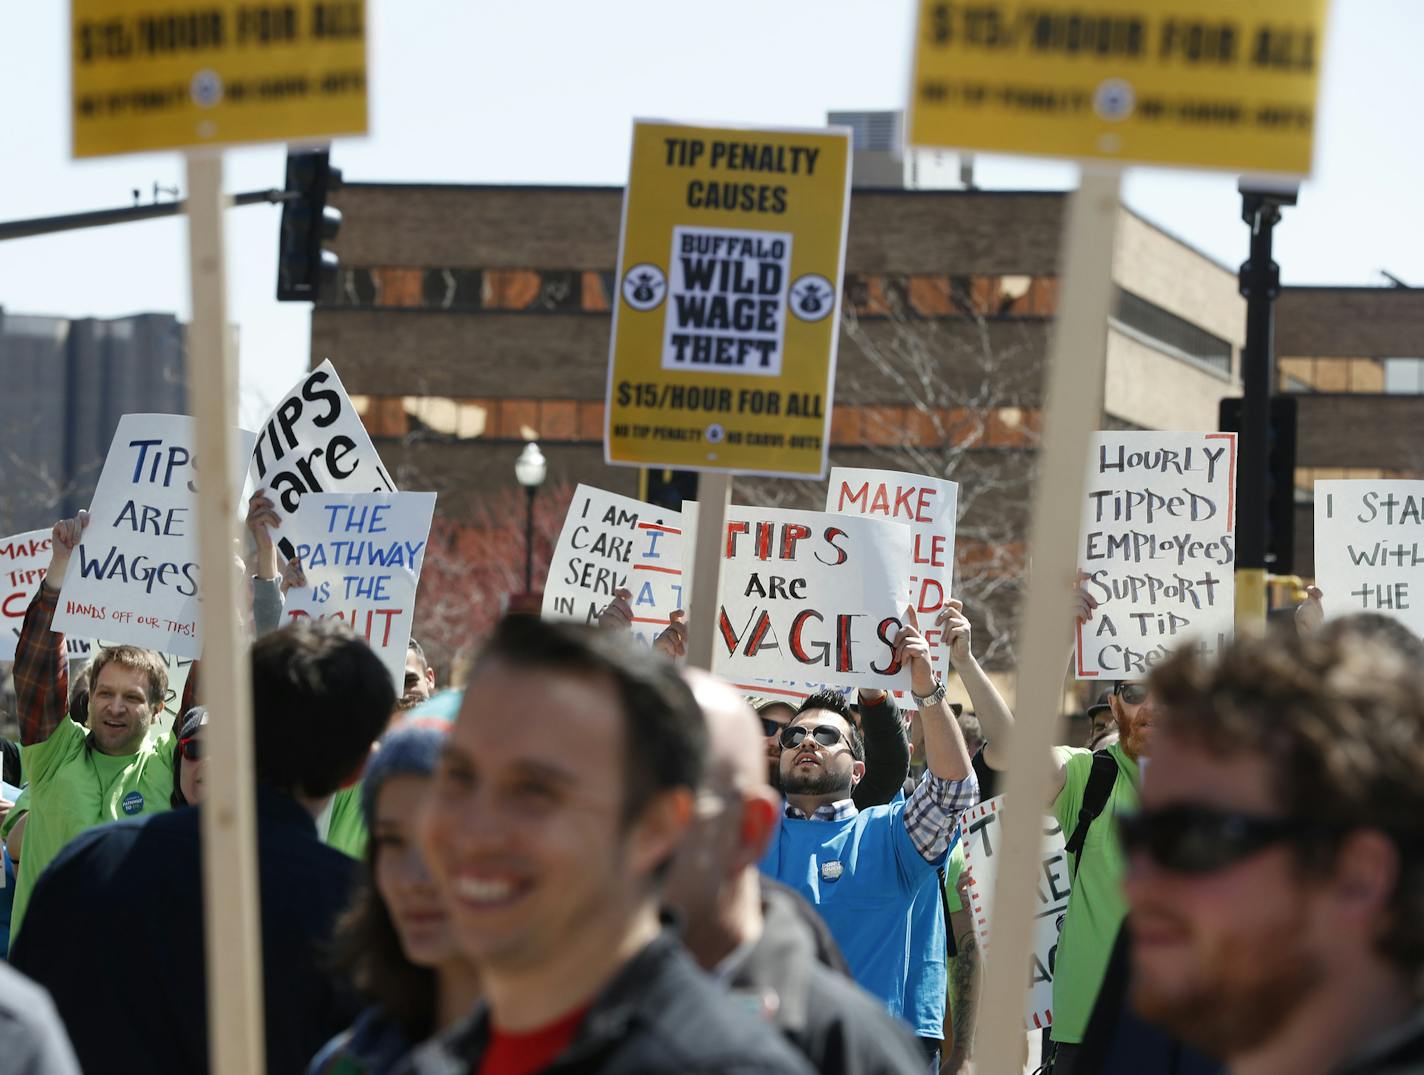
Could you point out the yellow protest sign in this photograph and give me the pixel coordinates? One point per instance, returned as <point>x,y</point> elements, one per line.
<point>169,74</point>
<point>1227,84</point>
<point>728,306</point>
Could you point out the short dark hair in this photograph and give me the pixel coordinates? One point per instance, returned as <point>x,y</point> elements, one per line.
<point>414,647</point>
<point>1340,710</point>
<point>320,697</point>
<point>665,741</point>
<point>836,703</point>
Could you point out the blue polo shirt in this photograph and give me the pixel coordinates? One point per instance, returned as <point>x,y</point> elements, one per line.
<point>863,874</point>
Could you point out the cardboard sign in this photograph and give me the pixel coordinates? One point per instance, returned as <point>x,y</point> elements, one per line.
<point>930,508</point>
<point>362,554</point>
<point>1157,548</point>
<point>164,74</point>
<point>1369,548</point>
<point>1206,83</point>
<point>612,542</point>
<point>807,596</point>
<point>134,576</point>
<point>24,559</point>
<point>980,831</point>
<point>314,442</point>
<point>724,332</point>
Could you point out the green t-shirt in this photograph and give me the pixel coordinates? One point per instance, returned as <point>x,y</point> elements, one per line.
<point>347,831</point>
<point>17,811</point>
<point>73,787</point>
<point>1096,905</point>
<point>953,868</point>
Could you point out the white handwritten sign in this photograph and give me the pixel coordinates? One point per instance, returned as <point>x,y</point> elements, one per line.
<point>807,596</point>
<point>1369,548</point>
<point>980,831</point>
<point>611,542</point>
<point>24,559</point>
<point>314,442</point>
<point>930,508</point>
<point>1158,548</point>
<point>362,554</point>
<point>134,576</point>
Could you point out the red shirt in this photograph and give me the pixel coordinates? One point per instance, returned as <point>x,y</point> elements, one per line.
<point>531,1051</point>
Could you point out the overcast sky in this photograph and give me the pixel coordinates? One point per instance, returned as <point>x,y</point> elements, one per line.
<point>478,92</point>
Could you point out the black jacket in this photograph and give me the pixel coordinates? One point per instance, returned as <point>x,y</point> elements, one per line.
<point>834,1023</point>
<point>114,931</point>
<point>659,1016</point>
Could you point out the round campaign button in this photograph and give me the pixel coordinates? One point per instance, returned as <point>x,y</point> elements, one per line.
<point>831,871</point>
<point>133,803</point>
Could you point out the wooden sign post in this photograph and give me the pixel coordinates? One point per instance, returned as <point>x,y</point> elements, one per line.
<point>981,76</point>
<point>233,931</point>
<point>317,51</point>
<point>1074,403</point>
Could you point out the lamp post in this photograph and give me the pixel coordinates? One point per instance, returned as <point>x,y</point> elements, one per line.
<point>530,469</point>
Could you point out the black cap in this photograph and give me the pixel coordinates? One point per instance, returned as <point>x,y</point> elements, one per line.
<point>1103,704</point>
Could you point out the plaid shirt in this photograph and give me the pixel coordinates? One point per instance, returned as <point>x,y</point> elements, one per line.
<point>41,672</point>
<point>931,812</point>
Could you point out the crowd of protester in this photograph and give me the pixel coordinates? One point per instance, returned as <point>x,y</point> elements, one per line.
<point>593,858</point>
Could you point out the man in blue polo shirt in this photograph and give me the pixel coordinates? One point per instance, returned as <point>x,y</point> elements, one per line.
<point>863,869</point>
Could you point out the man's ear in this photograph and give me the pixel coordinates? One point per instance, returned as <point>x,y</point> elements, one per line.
<point>857,772</point>
<point>430,677</point>
<point>659,829</point>
<point>1366,873</point>
<point>761,814</point>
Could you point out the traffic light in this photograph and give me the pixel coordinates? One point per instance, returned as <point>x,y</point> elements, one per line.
<point>1280,478</point>
<point>668,488</point>
<point>302,265</point>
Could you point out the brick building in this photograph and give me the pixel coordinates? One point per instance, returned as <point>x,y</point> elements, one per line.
<point>468,319</point>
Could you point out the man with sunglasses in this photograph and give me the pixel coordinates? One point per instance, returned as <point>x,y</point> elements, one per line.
<point>1276,876</point>
<point>863,868</point>
<point>1089,791</point>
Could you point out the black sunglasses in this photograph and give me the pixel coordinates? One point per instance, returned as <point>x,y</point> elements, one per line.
<point>1132,693</point>
<point>825,734</point>
<point>192,748</point>
<point>771,727</point>
<point>1197,839</point>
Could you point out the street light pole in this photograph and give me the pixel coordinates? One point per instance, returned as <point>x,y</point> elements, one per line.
<point>529,470</point>
<point>1260,283</point>
<point>529,491</point>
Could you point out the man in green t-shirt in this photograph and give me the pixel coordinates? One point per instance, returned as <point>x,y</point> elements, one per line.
<point>1095,905</point>
<point>78,778</point>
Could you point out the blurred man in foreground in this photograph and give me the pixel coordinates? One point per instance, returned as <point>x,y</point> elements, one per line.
<point>561,797</point>
<point>1276,879</point>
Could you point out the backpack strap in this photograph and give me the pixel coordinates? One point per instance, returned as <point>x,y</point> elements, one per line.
<point>1095,797</point>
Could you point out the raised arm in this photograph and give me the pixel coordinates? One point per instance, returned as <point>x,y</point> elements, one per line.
<point>995,717</point>
<point>949,787</point>
<point>41,669</point>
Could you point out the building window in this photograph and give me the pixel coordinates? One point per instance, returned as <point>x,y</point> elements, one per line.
<point>1404,376</point>
<point>1171,333</point>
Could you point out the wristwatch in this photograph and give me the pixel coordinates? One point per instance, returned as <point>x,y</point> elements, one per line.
<point>924,701</point>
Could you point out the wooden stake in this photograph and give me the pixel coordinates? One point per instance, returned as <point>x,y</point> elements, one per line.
<point>714,493</point>
<point>236,1043</point>
<point>1074,408</point>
